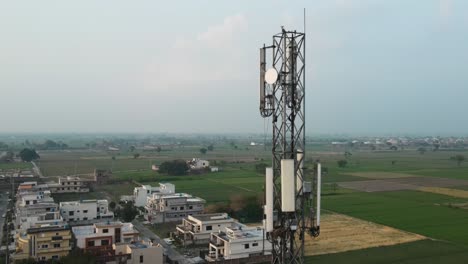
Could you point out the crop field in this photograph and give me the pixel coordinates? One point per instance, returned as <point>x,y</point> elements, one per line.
<point>419,252</point>
<point>418,212</point>
<point>22,165</point>
<point>339,233</point>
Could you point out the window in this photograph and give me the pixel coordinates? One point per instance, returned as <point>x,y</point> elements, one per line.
<point>68,188</point>
<point>45,246</point>
<point>55,257</point>
<point>90,243</point>
<point>74,183</point>
<point>75,188</point>
<point>141,259</point>
<point>246,246</point>
<point>190,207</point>
<point>43,258</point>
<point>71,219</point>
<point>181,208</point>
<point>254,244</point>
<point>70,213</point>
<point>85,211</point>
<point>104,242</point>
<point>56,245</point>
<point>208,228</point>
<point>105,230</point>
<point>85,218</point>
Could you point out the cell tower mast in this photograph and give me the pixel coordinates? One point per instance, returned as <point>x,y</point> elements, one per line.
<point>282,96</point>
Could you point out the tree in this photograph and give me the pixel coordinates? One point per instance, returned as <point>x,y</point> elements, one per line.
<point>28,155</point>
<point>112,205</point>
<point>342,163</point>
<point>158,149</point>
<point>113,157</point>
<point>132,148</point>
<point>458,158</point>
<point>394,148</point>
<point>127,213</point>
<point>203,150</point>
<point>136,155</point>
<point>422,150</point>
<point>347,154</point>
<point>175,167</point>
<point>210,147</point>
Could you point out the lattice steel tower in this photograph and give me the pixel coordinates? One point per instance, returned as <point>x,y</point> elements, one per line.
<point>282,96</point>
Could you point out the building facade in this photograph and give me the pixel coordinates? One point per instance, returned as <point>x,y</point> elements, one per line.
<point>43,243</point>
<point>238,242</point>
<point>143,193</point>
<point>98,239</point>
<point>197,229</point>
<point>85,210</point>
<point>69,184</point>
<point>173,207</point>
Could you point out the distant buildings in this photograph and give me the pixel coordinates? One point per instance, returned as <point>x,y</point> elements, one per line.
<point>196,164</point>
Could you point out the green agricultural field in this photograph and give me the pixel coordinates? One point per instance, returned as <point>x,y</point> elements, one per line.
<point>418,212</point>
<point>419,252</point>
<point>19,165</point>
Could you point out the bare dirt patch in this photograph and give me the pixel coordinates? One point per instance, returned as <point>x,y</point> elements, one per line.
<point>396,184</point>
<point>379,175</point>
<point>339,233</point>
<point>446,191</point>
<point>376,186</point>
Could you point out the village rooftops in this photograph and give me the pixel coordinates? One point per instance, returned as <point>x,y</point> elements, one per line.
<point>126,228</point>
<point>76,203</point>
<point>239,231</point>
<point>42,229</point>
<point>210,217</point>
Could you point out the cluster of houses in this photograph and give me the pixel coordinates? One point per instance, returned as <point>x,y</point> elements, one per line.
<point>162,204</point>
<point>225,237</point>
<point>46,230</point>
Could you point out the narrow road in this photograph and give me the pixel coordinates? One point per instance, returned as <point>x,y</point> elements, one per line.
<point>36,169</point>
<point>168,249</point>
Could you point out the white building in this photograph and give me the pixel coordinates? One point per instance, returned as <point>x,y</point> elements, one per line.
<point>101,236</point>
<point>172,207</point>
<point>197,229</point>
<point>237,242</point>
<point>138,252</point>
<point>35,208</point>
<point>85,210</point>
<point>141,194</point>
<point>196,164</point>
<point>69,184</point>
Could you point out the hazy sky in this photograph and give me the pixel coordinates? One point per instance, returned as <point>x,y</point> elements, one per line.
<point>192,66</point>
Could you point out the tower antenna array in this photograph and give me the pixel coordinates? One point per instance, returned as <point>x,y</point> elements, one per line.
<point>287,193</point>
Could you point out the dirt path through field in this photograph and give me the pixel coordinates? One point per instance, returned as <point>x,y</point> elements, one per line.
<point>339,233</point>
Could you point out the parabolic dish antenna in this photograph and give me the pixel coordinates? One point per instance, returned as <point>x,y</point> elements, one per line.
<point>271,76</point>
